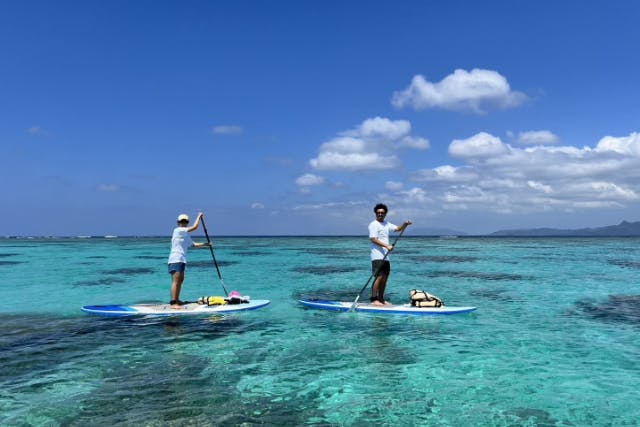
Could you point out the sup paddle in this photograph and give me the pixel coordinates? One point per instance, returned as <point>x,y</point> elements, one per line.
<point>213,255</point>
<point>353,306</point>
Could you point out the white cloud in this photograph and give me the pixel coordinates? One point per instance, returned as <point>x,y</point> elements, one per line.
<point>416,143</point>
<point>353,161</point>
<point>257,205</point>
<point>461,91</point>
<point>446,173</point>
<point>537,137</point>
<point>415,195</point>
<point>535,185</point>
<point>504,179</point>
<point>394,186</point>
<point>379,127</point>
<point>227,130</point>
<point>479,146</point>
<point>372,145</point>
<point>493,178</point>
<point>330,205</point>
<point>309,179</point>
<point>629,145</point>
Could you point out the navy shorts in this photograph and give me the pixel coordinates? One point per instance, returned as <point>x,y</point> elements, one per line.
<point>384,266</point>
<point>177,267</point>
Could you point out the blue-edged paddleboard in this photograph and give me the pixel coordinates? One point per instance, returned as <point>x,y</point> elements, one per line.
<point>404,309</point>
<point>189,309</point>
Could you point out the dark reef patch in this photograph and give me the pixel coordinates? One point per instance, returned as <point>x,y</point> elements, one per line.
<point>477,275</point>
<point>334,253</point>
<point>130,271</point>
<point>616,309</point>
<point>443,258</point>
<point>153,257</point>
<point>634,265</point>
<point>492,294</point>
<point>7,255</point>
<point>321,271</point>
<point>330,294</point>
<point>529,416</point>
<point>209,264</point>
<point>105,281</point>
<point>251,253</point>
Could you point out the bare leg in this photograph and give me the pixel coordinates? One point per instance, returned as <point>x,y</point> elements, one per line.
<point>377,290</point>
<point>381,288</point>
<point>177,278</point>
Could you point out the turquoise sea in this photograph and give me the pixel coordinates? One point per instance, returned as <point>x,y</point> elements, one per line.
<point>555,341</point>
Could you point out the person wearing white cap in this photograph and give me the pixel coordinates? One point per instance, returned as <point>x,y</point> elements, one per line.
<point>180,243</point>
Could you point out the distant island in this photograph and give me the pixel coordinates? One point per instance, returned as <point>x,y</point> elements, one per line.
<point>624,229</point>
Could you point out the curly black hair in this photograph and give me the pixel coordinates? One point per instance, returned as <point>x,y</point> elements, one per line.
<point>380,206</point>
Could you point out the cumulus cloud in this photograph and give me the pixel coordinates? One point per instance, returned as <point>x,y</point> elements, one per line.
<point>369,146</point>
<point>629,145</point>
<point>379,127</point>
<point>473,91</point>
<point>414,195</point>
<point>227,130</point>
<point>309,179</point>
<point>306,181</point>
<point>494,177</point>
<point>537,137</point>
<point>481,145</point>
<point>497,177</point>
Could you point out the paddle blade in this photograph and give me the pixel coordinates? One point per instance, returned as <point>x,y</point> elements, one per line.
<point>353,306</point>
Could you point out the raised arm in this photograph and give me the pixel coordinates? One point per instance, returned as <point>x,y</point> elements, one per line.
<point>404,225</point>
<point>196,224</point>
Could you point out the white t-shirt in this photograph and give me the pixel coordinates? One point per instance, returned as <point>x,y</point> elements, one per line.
<point>381,231</point>
<point>180,242</point>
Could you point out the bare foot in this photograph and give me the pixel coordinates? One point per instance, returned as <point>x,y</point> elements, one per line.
<point>387,303</point>
<point>376,302</point>
<point>176,307</point>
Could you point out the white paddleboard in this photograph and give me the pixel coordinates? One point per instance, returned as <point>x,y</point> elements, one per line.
<point>404,309</point>
<point>189,309</point>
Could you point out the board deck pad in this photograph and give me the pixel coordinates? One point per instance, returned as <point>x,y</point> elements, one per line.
<point>164,309</point>
<point>403,309</point>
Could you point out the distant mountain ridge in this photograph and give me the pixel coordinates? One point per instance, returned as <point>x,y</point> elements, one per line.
<point>624,229</point>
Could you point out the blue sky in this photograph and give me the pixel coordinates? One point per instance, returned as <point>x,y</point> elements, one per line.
<point>296,117</point>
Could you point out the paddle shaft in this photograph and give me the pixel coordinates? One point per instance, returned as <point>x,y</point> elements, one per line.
<point>206,233</point>
<point>353,306</point>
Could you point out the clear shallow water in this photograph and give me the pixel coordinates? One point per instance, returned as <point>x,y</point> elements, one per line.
<point>555,341</point>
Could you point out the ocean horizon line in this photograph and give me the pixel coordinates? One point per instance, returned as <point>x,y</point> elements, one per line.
<point>268,236</point>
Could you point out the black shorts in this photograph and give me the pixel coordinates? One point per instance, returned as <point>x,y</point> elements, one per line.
<point>384,266</point>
